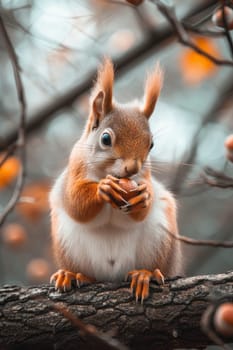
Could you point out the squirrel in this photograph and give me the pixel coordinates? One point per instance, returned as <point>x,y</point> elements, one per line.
<point>98,232</point>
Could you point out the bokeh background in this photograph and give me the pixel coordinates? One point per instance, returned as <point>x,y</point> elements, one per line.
<point>59,45</point>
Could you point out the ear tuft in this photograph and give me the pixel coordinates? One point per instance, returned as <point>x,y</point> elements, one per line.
<point>153,87</point>
<point>104,83</point>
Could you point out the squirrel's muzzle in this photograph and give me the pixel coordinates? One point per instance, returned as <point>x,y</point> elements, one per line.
<point>131,167</point>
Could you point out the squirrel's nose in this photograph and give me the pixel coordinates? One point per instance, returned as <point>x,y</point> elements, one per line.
<point>132,167</point>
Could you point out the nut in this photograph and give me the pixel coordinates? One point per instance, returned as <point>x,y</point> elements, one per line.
<point>128,185</point>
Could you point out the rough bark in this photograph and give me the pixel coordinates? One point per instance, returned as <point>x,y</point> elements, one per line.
<point>170,317</point>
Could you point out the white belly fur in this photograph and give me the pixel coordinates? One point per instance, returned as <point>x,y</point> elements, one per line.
<point>112,244</point>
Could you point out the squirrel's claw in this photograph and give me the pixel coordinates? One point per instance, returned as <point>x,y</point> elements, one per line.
<point>140,282</point>
<point>62,280</point>
<point>81,279</point>
<point>111,192</point>
<point>135,204</point>
<point>158,276</point>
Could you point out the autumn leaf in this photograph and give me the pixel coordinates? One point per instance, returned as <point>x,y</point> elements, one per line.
<point>8,171</point>
<point>34,200</point>
<point>195,67</point>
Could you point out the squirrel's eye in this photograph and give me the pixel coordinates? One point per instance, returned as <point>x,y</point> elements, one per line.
<point>152,144</point>
<point>106,139</point>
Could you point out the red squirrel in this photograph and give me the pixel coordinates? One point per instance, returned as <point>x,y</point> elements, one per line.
<point>98,232</point>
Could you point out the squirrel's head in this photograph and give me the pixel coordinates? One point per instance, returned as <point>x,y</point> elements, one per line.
<point>118,135</point>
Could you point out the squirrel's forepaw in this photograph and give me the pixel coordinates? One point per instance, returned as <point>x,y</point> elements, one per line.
<point>110,191</point>
<point>140,201</point>
<point>140,282</point>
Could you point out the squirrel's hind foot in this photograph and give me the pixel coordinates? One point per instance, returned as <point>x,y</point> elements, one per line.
<point>140,282</point>
<point>63,280</point>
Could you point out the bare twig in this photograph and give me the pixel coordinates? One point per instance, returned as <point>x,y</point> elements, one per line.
<point>183,36</point>
<point>216,178</point>
<point>204,31</point>
<point>101,340</point>
<point>199,242</point>
<point>226,29</point>
<point>11,149</point>
<point>204,15</point>
<point>21,130</point>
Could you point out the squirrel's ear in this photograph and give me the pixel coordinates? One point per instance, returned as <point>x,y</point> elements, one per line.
<point>104,83</point>
<point>153,86</point>
<point>98,105</point>
<point>101,99</point>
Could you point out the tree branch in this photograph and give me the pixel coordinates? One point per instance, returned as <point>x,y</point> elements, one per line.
<point>216,178</point>
<point>20,144</point>
<point>169,318</point>
<point>151,42</point>
<point>226,29</point>
<point>199,242</point>
<point>183,36</point>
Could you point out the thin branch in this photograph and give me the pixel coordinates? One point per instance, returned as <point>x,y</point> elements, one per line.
<point>22,125</point>
<point>10,150</point>
<point>183,36</point>
<point>216,178</point>
<point>101,340</point>
<point>199,242</point>
<point>204,15</point>
<point>204,31</point>
<point>226,29</point>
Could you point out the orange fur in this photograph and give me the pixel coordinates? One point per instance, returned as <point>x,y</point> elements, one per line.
<point>81,195</point>
<point>59,253</point>
<point>172,247</point>
<point>153,86</point>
